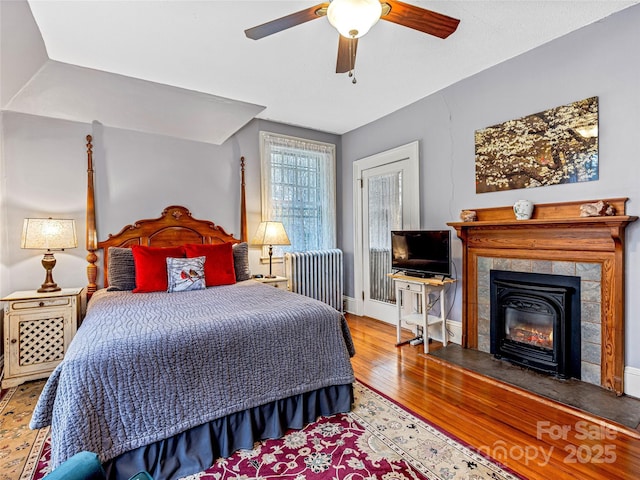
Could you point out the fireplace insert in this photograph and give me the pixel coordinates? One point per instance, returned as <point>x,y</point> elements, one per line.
<point>535,321</point>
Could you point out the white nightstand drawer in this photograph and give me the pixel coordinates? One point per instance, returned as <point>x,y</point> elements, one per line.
<point>40,303</point>
<point>411,287</point>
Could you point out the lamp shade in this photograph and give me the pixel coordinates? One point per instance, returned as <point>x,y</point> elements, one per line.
<point>49,234</point>
<point>270,233</point>
<point>354,18</point>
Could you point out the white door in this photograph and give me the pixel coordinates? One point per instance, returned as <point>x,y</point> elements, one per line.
<point>388,200</point>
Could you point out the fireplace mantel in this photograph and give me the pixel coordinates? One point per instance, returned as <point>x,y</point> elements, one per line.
<point>555,232</point>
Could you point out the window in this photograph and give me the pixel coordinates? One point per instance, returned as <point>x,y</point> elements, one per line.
<point>298,189</point>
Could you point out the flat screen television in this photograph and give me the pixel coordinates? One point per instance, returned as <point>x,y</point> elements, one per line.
<point>422,253</point>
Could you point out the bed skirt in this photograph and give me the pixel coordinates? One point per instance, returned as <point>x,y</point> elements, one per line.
<point>197,449</point>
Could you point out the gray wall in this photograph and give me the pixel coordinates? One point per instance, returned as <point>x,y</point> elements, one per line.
<point>599,60</point>
<point>44,174</point>
<point>43,169</point>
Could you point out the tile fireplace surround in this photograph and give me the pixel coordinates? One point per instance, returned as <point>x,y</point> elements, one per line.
<point>555,240</point>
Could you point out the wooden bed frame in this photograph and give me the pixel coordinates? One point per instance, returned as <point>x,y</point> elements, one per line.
<point>175,226</point>
<point>199,441</point>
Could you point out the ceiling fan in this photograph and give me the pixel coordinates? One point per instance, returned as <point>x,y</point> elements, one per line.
<point>354,18</point>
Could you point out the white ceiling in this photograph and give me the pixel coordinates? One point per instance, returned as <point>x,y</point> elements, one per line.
<point>201,46</point>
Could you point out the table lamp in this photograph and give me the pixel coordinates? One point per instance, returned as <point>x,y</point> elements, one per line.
<point>49,234</point>
<point>270,233</point>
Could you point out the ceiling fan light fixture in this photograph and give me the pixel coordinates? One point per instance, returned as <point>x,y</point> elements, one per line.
<point>354,18</point>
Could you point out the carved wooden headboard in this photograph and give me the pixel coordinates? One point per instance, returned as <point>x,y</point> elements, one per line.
<point>175,226</point>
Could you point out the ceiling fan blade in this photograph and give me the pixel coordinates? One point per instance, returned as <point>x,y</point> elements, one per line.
<point>347,48</point>
<point>282,23</point>
<point>420,19</point>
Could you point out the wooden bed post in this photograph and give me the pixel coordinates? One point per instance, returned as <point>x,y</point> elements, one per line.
<point>243,205</point>
<point>92,238</point>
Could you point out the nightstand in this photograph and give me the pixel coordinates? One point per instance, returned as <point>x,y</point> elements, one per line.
<point>38,328</point>
<point>278,282</point>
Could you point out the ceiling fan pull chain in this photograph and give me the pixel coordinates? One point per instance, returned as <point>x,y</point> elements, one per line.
<point>352,71</point>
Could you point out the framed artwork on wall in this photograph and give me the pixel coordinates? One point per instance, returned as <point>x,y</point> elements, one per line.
<point>556,146</point>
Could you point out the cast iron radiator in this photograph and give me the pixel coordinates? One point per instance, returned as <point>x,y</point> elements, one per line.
<point>317,274</point>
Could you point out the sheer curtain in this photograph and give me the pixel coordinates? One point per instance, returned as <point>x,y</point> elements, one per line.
<point>298,189</point>
<point>385,209</point>
<point>384,214</point>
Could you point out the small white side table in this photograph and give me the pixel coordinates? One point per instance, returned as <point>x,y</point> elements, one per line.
<point>278,282</point>
<point>412,299</point>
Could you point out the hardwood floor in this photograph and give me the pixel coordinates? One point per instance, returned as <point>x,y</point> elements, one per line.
<point>536,438</point>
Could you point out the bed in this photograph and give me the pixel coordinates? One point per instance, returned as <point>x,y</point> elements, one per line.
<point>169,382</point>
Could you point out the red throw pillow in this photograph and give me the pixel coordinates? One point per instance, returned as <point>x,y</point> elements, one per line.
<point>218,267</point>
<point>151,267</point>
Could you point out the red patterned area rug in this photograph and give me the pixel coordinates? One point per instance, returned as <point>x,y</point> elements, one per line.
<point>378,439</point>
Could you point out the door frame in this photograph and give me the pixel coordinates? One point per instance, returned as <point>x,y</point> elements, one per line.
<point>410,151</point>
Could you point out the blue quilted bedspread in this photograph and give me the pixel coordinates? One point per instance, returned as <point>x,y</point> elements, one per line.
<point>144,367</point>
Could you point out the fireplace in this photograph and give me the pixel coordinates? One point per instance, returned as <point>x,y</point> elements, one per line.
<point>557,235</point>
<point>535,321</point>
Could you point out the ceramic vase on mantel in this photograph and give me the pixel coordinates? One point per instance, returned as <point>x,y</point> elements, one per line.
<point>523,209</point>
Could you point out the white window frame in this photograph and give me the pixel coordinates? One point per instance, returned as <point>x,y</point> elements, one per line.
<point>269,140</point>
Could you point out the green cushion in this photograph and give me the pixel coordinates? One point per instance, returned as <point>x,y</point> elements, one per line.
<point>85,466</point>
<point>81,466</point>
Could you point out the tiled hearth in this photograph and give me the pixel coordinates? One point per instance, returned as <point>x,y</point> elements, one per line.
<point>590,275</point>
<point>555,240</point>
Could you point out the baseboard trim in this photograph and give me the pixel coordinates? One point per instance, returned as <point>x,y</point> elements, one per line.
<point>455,331</point>
<point>632,381</point>
<point>349,304</point>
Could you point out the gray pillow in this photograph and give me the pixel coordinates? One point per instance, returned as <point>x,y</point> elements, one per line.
<point>121,271</point>
<point>241,261</point>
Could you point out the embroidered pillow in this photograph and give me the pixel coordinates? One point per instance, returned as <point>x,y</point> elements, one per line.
<point>241,261</point>
<point>218,269</point>
<point>185,274</point>
<point>121,271</point>
<point>151,267</point>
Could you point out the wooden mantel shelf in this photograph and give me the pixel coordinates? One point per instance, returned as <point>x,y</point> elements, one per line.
<point>556,231</point>
<point>548,212</point>
<point>613,220</point>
